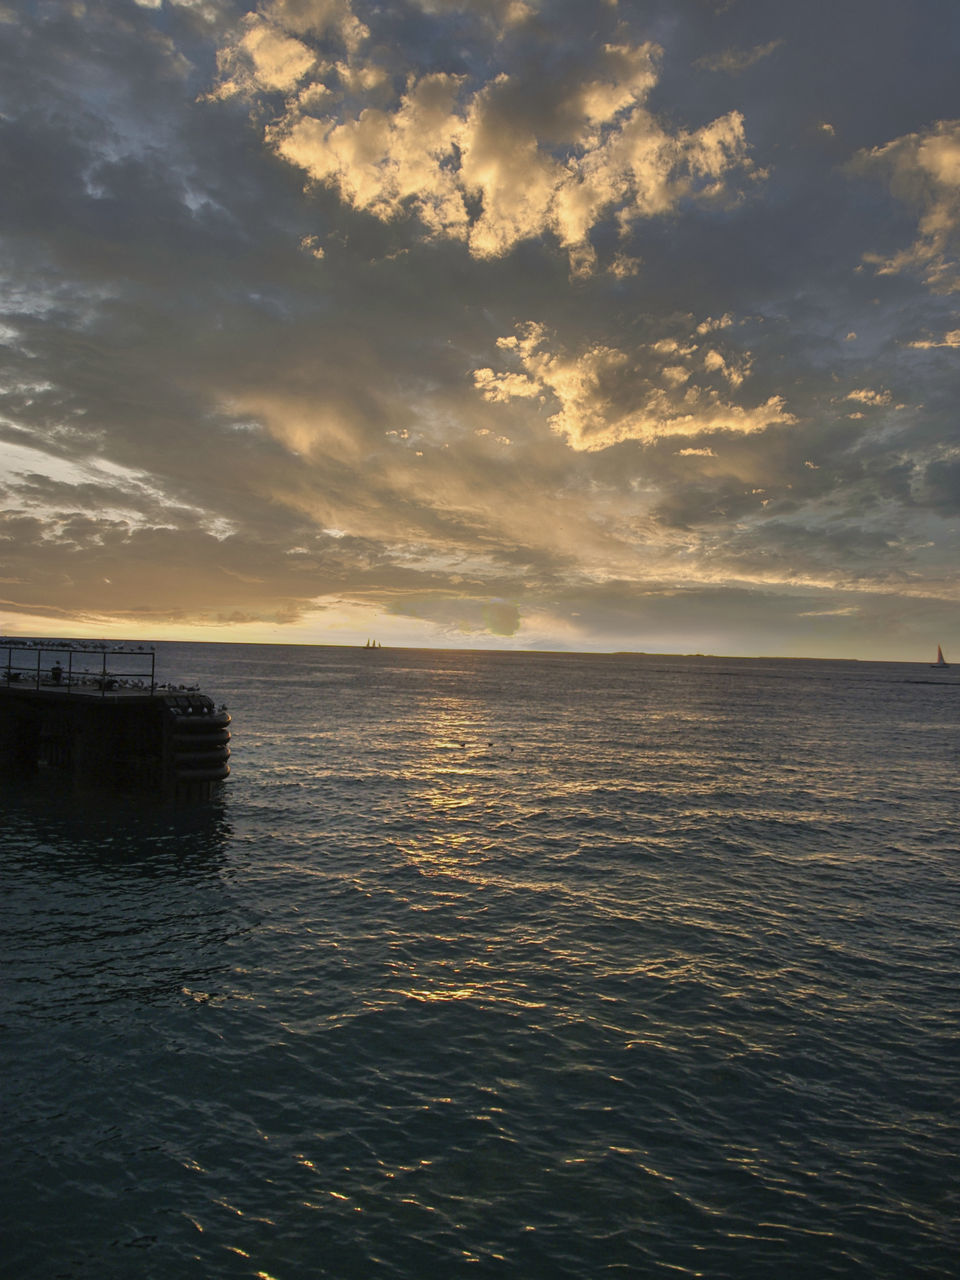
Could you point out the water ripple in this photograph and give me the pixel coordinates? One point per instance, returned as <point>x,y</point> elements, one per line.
<point>502,965</point>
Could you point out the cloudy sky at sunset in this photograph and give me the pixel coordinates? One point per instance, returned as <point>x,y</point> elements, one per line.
<point>517,323</point>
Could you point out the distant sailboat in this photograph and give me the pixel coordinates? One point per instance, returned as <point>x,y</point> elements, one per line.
<point>940,662</point>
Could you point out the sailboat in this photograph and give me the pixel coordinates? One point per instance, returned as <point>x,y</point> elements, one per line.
<point>940,662</point>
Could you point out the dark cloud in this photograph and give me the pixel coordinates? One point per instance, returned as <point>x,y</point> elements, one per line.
<point>941,486</point>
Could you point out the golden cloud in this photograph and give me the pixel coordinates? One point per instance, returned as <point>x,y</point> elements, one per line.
<point>923,170</point>
<point>603,396</point>
<point>491,166</point>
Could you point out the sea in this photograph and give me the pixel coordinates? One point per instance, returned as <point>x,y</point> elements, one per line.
<point>497,964</point>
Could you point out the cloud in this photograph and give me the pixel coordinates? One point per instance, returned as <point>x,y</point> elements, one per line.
<point>499,14</point>
<point>950,339</point>
<point>458,615</point>
<point>864,395</point>
<point>90,565</point>
<point>490,162</point>
<point>736,61</point>
<point>602,396</point>
<point>381,162</point>
<point>923,170</point>
<point>939,484</point>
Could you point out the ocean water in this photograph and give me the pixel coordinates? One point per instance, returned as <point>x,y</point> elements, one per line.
<point>497,965</point>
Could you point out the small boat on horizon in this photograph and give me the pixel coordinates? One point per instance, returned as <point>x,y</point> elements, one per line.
<point>941,661</point>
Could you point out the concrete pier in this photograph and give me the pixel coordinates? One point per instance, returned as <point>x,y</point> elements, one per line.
<point>105,724</point>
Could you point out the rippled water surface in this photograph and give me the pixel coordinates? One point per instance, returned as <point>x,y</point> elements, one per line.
<point>498,965</point>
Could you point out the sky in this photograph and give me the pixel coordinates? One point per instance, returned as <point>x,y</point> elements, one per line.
<point>530,324</point>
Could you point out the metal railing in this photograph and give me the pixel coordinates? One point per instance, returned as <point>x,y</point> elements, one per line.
<point>40,666</point>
